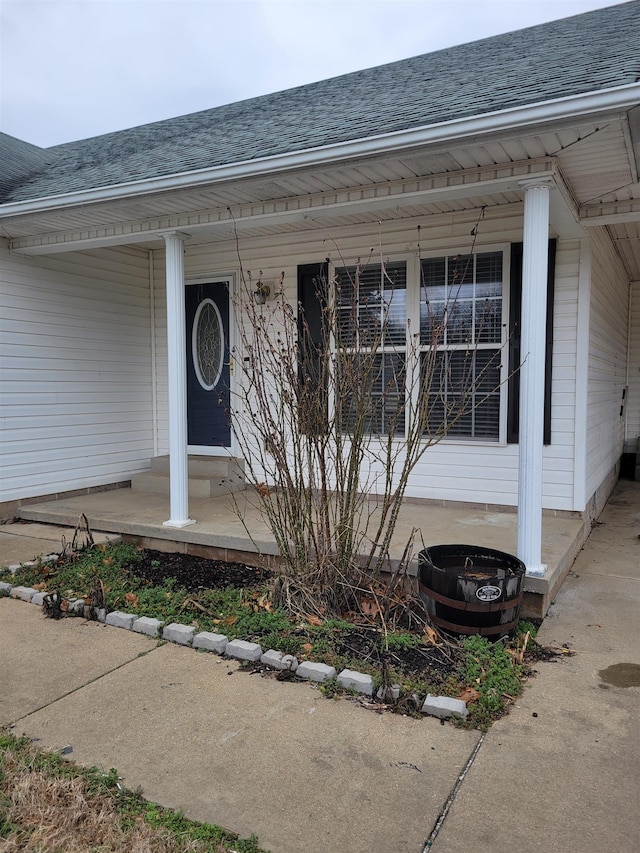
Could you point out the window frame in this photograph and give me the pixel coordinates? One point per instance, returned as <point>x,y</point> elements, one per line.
<point>501,347</point>
<point>395,348</point>
<point>412,347</point>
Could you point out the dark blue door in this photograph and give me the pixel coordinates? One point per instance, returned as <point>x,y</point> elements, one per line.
<point>207,318</point>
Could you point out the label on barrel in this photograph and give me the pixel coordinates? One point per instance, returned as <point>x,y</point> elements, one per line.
<point>488,593</point>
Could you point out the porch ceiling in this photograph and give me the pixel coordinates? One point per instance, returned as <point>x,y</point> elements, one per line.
<point>596,163</point>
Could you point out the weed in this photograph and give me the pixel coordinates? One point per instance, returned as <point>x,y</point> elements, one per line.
<point>525,627</point>
<point>282,642</point>
<point>401,641</point>
<point>492,671</point>
<point>331,688</point>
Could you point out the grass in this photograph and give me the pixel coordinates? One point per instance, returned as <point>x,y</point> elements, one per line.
<point>48,805</point>
<point>488,675</point>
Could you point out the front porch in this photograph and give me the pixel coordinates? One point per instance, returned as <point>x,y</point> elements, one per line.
<point>231,527</point>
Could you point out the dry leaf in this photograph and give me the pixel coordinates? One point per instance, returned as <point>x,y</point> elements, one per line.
<point>131,598</point>
<point>264,602</point>
<point>430,636</point>
<point>469,694</point>
<point>369,607</point>
<point>231,620</point>
<point>307,647</point>
<point>314,620</point>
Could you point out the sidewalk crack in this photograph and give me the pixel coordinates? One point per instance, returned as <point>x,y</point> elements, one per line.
<point>13,723</point>
<point>451,798</point>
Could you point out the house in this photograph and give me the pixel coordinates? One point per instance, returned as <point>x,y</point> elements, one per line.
<point>530,140</point>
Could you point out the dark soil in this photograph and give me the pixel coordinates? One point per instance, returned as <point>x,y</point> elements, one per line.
<point>364,642</point>
<point>438,665</point>
<point>194,573</point>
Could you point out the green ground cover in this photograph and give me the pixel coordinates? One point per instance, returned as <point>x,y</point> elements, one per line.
<point>487,675</point>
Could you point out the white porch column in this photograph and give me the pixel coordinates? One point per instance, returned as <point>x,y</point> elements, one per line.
<point>177,376</point>
<point>532,368</point>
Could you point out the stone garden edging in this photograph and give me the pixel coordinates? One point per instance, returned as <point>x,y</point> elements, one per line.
<point>242,650</point>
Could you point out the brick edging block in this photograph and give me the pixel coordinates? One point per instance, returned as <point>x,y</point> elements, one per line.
<point>358,681</point>
<point>24,593</point>
<point>211,642</point>
<point>176,633</point>
<point>444,707</point>
<point>242,650</point>
<point>121,620</point>
<point>279,660</point>
<point>312,671</point>
<point>147,625</point>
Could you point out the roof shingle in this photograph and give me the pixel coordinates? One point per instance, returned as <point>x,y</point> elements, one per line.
<point>590,52</point>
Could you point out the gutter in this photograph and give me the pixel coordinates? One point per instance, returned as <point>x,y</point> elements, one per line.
<point>574,106</point>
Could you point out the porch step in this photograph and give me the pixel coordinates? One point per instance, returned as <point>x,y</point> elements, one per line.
<point>209,476</point>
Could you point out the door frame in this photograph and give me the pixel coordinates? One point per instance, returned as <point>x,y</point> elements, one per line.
<point>231,281</point>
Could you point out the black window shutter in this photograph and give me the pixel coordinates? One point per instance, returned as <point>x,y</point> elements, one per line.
<point>312,341</point>
<point>515,320</point>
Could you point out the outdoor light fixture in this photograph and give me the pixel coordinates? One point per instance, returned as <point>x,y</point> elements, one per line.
<point>261,293</point>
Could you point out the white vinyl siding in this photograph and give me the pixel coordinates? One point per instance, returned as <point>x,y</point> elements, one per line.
<point>607,359</point>
<point>75,370</point>
<point>455,470</point>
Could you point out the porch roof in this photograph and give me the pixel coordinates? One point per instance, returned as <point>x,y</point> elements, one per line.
<point>586,53</point>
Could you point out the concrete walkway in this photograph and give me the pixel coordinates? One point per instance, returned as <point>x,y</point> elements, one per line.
<point>560,772</point>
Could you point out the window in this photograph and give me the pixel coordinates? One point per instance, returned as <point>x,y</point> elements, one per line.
<point>452,371</point>
<point>461,343</point>
<point>371,329</point>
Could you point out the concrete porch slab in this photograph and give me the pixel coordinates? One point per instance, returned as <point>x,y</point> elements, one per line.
<point>232,527</point>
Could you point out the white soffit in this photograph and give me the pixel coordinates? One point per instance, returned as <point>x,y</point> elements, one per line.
<point>472,187</point>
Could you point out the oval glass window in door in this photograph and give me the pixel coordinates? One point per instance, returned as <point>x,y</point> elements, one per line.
<point>207,342</point>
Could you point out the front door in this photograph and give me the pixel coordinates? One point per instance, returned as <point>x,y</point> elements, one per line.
<point>208,375</point>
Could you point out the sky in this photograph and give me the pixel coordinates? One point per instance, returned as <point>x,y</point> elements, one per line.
<point>71,69</point>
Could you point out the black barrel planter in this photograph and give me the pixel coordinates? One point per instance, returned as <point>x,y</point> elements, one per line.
<point>468,589</point>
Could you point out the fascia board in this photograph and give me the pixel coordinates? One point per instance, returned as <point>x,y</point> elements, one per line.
<point>573,107</point>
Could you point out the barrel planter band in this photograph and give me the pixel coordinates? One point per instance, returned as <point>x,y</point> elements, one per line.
<point>468,589</point>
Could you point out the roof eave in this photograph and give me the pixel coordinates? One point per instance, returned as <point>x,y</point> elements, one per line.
<point>574,106</point>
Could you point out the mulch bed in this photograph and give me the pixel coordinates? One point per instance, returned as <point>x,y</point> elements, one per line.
<point>431,663</point>
<point>194,573</point>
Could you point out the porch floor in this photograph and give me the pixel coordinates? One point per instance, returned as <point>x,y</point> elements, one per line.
<point>232,528</point>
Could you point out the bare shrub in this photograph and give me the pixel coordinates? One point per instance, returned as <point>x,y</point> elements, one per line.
<point>334,412</point>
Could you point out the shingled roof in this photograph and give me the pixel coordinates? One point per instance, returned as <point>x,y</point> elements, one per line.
<point>585,53</point>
